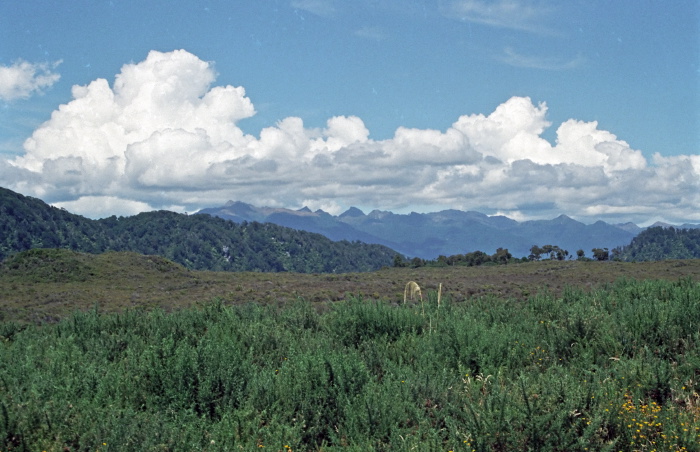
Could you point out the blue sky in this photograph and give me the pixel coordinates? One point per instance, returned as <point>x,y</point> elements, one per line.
<point>524,108</point>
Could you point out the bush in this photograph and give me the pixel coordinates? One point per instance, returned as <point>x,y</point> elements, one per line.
<point>611,369</point>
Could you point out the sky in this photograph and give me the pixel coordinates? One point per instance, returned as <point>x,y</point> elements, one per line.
<point>528,109</point>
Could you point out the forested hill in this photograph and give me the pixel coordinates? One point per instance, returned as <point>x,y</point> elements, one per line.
<point>199,242</point>
<point>662,243</point>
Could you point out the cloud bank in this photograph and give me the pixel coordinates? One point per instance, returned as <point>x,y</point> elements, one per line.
<point>163,136</point>
<point>23,79</point>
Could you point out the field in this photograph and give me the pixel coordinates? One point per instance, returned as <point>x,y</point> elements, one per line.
<point>96,354</point>
<point>45,285</point>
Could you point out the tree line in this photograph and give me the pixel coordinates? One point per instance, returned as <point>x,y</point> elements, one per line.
<point>502,257</point>
<point>199,242</point>
<point>652,244</point>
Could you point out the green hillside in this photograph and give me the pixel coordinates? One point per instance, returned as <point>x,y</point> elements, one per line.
<point>659,243</point>
<point>198,242</point>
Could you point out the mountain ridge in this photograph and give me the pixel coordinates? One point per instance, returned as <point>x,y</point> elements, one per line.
<point>198,242</point>
<point>446,232</point>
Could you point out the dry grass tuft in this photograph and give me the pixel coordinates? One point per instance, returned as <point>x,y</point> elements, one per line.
<point>412,289</point>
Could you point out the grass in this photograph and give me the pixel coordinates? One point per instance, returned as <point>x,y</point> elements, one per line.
<point>41,286</point>
<point>127,352</point>
<point>614,367</point>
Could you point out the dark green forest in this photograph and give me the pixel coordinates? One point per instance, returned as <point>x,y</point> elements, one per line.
<point>199,242</point>
<point>661,243</point>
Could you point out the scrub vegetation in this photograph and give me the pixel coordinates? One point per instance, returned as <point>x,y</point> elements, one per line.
<point>45,285</point>
<point>611,366</point>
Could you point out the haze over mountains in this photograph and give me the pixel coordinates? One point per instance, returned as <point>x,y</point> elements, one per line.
<point>278,239</point>
<point>447,232</point>
<point>199,242</point>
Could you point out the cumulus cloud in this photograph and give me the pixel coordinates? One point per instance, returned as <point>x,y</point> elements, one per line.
<point>163,136</point>
<point>22,79</point>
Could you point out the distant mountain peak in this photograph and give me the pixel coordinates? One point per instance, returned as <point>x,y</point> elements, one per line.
<point>565,219</point>
<point>352,212</point>
<point>239,208</point>
<point>378,214</point>
<point>232,203</point>
<point>448,232</point>
<point>629,227</point>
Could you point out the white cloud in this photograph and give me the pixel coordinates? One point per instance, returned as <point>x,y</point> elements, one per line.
<point>164,136</point>
<point>103,206</point>
<point>22,79</point>
<point>524,15</point>
<point>431,147</point>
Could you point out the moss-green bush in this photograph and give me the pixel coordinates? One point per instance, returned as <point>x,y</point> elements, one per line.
<point>612,369</point>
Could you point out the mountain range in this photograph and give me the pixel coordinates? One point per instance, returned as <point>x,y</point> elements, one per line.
<point>448,232</point>
<point>198,242</point>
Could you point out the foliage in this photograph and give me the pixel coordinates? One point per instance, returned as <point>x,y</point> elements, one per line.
<point>476,258</point>
<point>472,259</point>
<point>196,241</point>
<point>601,254</point>
<point>661,243</point>
<point>551,251</point>
<point>613,369</point>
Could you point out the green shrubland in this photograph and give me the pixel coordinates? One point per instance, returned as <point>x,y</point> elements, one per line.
<point>615,368</point>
